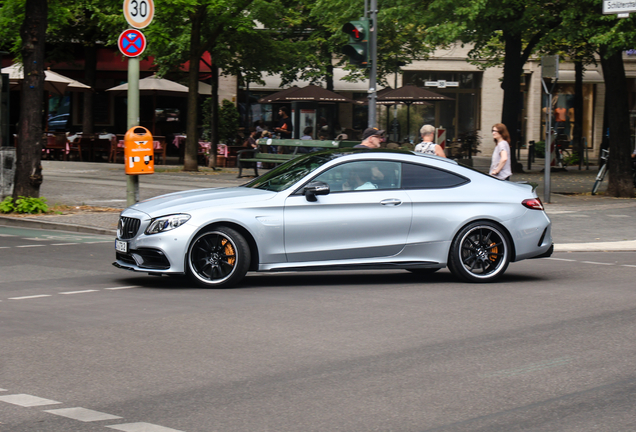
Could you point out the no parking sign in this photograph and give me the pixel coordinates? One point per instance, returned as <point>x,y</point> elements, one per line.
<point>131,43</point>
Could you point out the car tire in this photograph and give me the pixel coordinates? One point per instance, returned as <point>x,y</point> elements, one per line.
<point>480,252</point>
<point>218,258</point>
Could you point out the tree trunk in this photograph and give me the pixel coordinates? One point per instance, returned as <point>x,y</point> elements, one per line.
<point>190,162</point>
<point>577,132</point>
<point>90,74</point>
<point>511,85</point>
<point>28,173</point>
<point>214,114</point>
<point>620,181</point>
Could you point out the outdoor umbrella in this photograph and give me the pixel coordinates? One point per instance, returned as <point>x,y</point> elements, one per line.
<point>311,93</point>
<point>154,86</point>
<point>53,82</point>
<point>410,94</point>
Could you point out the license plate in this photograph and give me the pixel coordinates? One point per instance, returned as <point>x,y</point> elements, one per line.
<point>121,246</point>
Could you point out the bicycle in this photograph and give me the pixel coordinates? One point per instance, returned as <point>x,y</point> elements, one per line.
<point>602,171</point>
<point>563,155</point>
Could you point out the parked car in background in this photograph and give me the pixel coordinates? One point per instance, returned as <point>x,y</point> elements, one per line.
<point>339,210</point>
<point>59,122</point>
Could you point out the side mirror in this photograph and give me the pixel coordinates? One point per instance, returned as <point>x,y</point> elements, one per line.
<point>315,188</point>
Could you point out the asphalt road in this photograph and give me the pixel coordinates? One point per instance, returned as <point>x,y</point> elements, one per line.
<point>88,347</point>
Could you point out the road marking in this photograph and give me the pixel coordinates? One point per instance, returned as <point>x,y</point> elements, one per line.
<point>101,241</point>
<point>25,246</point>
<point>142,427</point>
<point>78,292</point>
<point>562,259</point>
<point>4,390</point>
<point>29,297</point>
<point>26,400</point>
<point>629,265</point>
<point>124,287</point>
<point>578,215</point>
<point>5,247</point>
<point>82,414</point>
<point>533,367</point>
<point>597,263</point>
<point>7,235</point>
<point>62,244</point>
<point>618,216</point>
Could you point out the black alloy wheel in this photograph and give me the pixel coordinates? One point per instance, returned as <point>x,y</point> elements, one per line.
<point>218,258</point>
<point>480,253</point>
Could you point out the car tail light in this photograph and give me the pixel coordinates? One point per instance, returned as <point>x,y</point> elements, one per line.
<point>533,203</point>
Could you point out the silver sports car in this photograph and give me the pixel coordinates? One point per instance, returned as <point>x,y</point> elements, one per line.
<point>337,210</point>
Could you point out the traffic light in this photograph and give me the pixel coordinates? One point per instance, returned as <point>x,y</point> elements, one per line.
<point>358,47</point>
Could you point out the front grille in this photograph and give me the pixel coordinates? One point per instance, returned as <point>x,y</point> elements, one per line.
<point>127,227</point>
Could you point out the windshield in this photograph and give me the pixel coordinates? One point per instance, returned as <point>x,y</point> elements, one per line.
<point>285,175</point>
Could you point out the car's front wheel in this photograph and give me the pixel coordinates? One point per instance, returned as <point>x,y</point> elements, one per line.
<point>479,253</point>
<point>218,258</point>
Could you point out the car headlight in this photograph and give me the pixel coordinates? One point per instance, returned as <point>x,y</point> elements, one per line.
<point>167,223</point>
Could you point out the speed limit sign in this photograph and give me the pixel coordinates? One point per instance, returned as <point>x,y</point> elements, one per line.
<point>139,13</point>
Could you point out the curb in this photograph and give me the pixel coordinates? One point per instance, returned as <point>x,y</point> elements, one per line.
<point>56,226</point>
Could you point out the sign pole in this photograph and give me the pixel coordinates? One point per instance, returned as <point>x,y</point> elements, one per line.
<point>549,69</point>
<point>139,14</point>
<point>373,55</point>
<point>132,180</point>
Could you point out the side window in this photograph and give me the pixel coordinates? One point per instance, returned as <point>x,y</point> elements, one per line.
<point>362,175</point>
<point>424,177</point>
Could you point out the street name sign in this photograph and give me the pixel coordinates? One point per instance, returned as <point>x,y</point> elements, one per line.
<point>131,43</point>
<point>139,13</point>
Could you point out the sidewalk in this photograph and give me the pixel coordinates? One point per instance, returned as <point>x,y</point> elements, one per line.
<point>580,221</point>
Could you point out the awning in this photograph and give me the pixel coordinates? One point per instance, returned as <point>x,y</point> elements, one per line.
<point>589,77</point>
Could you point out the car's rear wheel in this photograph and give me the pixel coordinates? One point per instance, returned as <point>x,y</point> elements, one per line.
<point>218,258</point>
<point>480,253</point>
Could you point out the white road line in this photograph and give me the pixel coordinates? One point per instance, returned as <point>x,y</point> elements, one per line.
<point>78,292</point>
<point>4,390</point>
<point>25,246</point>
<point>26,400</point>
<point>562,259</point>
<point>61,244</point>
<point>578,215</point>
<point>5,247</point>
<point>101,241</point>
<point>29,297</point>
<point>597,263</point>
<point>628,265</point>
<point>124,287</point>
<point>82,414</point>
<point>618,216</point>
<point>142,427</point>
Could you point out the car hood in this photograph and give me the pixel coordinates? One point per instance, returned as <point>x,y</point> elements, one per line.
<point>188,201</point>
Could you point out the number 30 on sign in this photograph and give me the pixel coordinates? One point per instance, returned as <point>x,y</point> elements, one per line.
<point>139,13</point>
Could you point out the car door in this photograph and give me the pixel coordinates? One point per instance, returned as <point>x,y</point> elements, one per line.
<point>350,223</point>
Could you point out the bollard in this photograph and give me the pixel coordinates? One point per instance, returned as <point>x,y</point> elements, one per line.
<point>530,154</point>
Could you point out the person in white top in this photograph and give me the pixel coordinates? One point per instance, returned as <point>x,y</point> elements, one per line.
<point>427,145</point>
<point>500,165</point>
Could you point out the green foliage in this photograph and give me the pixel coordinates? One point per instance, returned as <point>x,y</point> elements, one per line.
<point>28,205</point>
<point>228,122</point>
<point>6,206</point>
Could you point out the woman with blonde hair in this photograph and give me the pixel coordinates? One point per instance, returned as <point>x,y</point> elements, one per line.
<point>500,165</point>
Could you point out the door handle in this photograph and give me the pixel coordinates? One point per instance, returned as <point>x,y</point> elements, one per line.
<point>391,202</point>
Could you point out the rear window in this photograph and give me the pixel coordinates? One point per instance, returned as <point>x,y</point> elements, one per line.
<point>425,177</point>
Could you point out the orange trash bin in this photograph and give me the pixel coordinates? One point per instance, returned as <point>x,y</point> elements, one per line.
<point>139,151</point>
